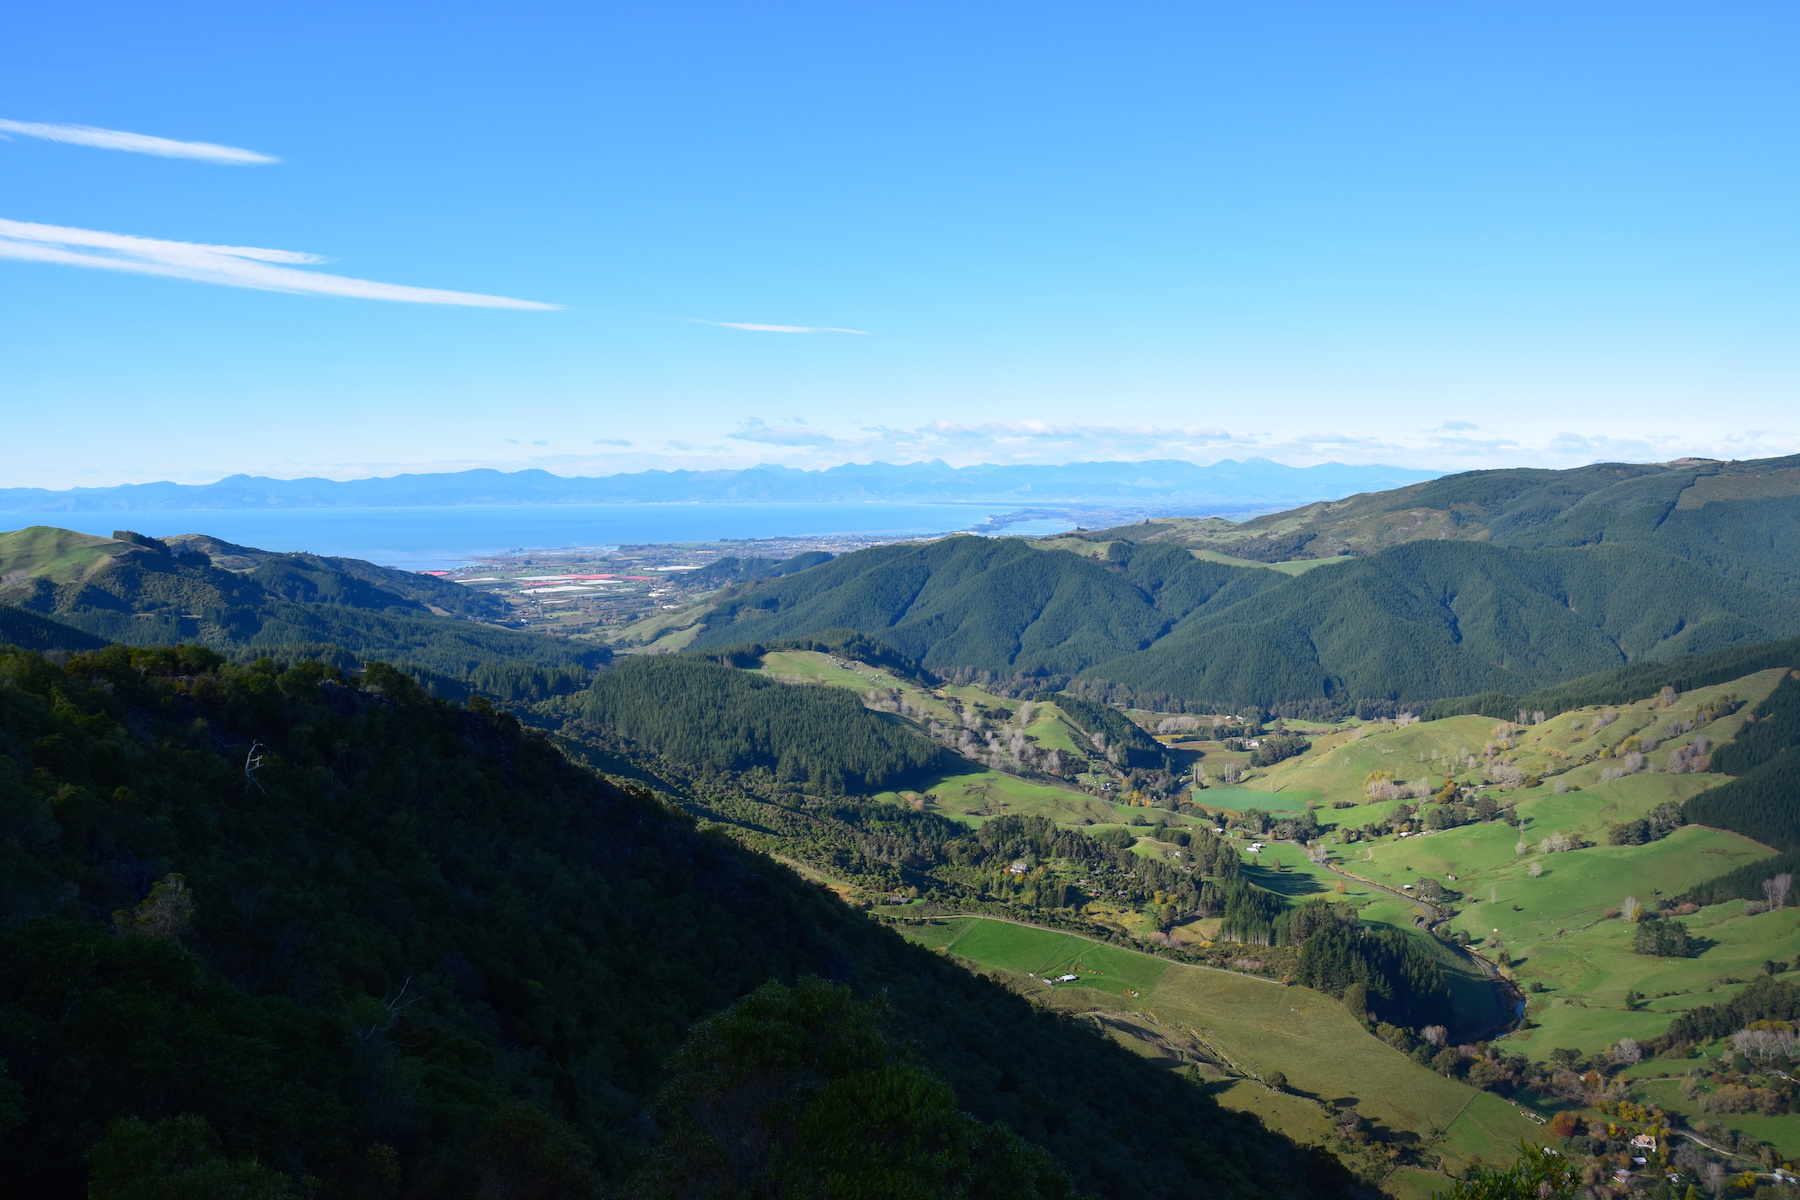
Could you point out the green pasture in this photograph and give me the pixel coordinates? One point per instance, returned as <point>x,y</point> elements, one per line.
<point>1029,950</point>
<point>981,793</point>
<point>1576,886</point>
<point>1259,1025</point>
<point>1284,868</point>
<point>1292,566</point>
<point>811,666</point>
<point>59,555</point>
<point>1338,767</point>
<point>1325,1054</point>
<point>1238,799</point>
<point>1050,729</point>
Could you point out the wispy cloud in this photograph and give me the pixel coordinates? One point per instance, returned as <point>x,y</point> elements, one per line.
<point>233,266</point>
<point>135,143</point>
<point>784,437</point>
<point>1041,433</point>
<point>755,430</point>
<point>612,441</point>
<point>779,328</point>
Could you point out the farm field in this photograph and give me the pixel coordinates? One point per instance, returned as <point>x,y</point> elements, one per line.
<point>972,796</point>
<point>1257,1025</point>
<point>1551,929</point>
<point>1552,915</point>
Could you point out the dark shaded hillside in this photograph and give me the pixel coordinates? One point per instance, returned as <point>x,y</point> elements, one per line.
<point>717,718</point>
<point>420,954</point>
<point>1763,801</point>
<point>29,631</point>
<point>147,592</point>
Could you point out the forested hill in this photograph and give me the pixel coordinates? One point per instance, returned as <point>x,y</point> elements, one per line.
<point>270,931</point>
<point>247,602</point>
<point>719,719</point>
<point>1151,622</point>
<point>1737,518</point>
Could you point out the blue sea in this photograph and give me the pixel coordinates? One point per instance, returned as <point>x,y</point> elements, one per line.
<point>437,539</point>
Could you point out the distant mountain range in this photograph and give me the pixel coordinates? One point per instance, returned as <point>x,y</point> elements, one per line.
<point>1220,487</point>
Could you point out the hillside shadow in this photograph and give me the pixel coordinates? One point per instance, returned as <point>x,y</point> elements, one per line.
<point>1291,884</point>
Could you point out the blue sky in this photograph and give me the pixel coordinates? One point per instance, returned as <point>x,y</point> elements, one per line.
<point>1444,235</point>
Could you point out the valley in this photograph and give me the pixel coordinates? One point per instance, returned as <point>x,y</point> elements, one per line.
<point>1395,831</point>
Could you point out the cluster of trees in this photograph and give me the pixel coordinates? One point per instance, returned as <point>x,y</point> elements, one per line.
<point>716,717</point>
<point>276,928</point>
<point>1449,814</point>
<point>1665,937</point>
<point>1278,747</point>
<point>1395,976</point>
<point>1302,826</point>
<point>1665,819</point>
<point>1766,998</point>
<point>802,1091</point>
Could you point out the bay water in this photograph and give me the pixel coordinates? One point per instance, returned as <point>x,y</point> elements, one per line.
<point>436,539</point>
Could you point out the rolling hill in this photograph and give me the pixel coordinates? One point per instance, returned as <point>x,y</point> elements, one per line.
<point>1741,519</point>
<point>148,592</point>
<point>1504,581</point>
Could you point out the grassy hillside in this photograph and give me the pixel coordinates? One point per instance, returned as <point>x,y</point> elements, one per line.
<point>146,592</point>
<point>416,952</point>
<point>1240,1028</point>
<point>1582,829</point>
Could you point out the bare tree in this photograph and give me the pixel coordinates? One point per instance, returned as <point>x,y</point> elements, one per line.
<point>1536,869</point>
<point>1437,1035</point>
<point>1630,909</point>
<point>1776,889</point>
<point>1627,1051</point>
